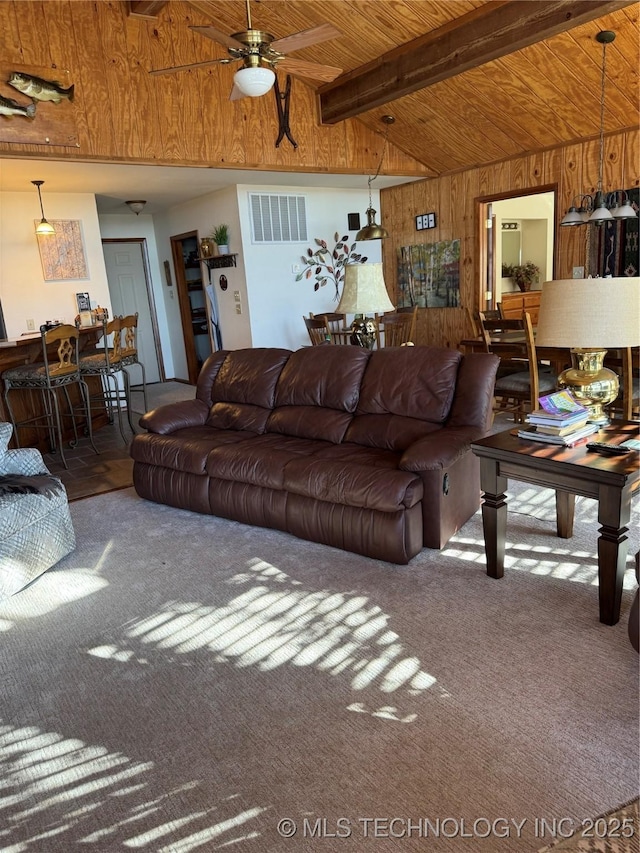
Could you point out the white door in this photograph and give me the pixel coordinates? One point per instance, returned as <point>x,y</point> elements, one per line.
<point>128,289</point>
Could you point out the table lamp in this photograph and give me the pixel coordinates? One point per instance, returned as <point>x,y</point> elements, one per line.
<point>590,316</point>
<point>364,292</point>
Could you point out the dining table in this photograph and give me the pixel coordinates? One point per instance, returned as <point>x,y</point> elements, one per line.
<point>513,344</point>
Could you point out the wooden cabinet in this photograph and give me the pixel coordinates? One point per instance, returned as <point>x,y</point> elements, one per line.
<point>513,304</point>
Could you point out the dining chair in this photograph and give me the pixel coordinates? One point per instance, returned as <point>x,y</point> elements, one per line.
<point>626,363</point>
<point>105,361</point>
<point>336,325</point>
<point>317,329</point>
<point>58,371</point>
<point>518,391</point>
<point>396,328</point>
<point>129,357</point>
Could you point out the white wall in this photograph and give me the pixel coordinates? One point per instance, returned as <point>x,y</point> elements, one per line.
<point>24,293</point>
<point>277,302</point>
<point>201,215</point>
<point>271,300</point>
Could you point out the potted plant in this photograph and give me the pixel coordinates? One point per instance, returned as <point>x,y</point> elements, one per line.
<point>524,275</point>
<point>220,236</point>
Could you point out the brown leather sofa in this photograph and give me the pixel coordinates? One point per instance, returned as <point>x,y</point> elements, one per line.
<point>365,451</point>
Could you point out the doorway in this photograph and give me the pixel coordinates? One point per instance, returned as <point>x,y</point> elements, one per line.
<point>515,228</point>
<point>127,266</point>
<point>192,301</point>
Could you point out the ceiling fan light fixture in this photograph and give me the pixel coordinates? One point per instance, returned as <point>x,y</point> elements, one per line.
<point>136,206</point>
<point>255,81</point>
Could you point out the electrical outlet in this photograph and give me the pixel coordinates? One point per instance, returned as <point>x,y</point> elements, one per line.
<point>578,272</point>
<point>236,295</point>
<point>31,326</point>
<point>238,308</point>
<point>295,268</point>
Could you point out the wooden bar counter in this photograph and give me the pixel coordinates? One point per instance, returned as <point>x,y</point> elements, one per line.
<point>28,403</point>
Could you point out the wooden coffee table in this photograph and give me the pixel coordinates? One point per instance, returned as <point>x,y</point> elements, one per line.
<point>571,471</point>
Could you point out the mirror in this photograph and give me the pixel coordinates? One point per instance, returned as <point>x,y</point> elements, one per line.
<point>525,229</point>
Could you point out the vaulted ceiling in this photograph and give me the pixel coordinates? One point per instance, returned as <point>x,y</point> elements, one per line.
<point>469,82</point>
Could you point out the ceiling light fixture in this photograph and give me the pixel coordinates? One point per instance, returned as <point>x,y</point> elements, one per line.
<point>371,230</point>
<point>254,81</point>
<point>600,207</point>
<point>136,206</point>
<point>43,227</point>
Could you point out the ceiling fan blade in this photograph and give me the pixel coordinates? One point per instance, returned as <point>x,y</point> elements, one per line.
<point>174,68</point>
<point>236,94</point>
<point>313,70</point>
<point>217,35</point>
<point>306,38</point>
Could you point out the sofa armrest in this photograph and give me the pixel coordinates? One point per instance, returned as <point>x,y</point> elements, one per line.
<point>23,460</point>
<point>167,419</point>
<point>440,449</point>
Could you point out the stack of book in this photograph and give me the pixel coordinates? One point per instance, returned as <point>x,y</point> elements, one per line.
<point>559,420</point>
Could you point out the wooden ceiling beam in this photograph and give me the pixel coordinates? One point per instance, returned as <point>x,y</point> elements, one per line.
<point>146,8</point>
<point>487,33</point>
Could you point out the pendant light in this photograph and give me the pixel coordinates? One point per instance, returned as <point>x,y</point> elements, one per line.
<point>600,207</point>
<point>43,227</point>
<point>371,230</point>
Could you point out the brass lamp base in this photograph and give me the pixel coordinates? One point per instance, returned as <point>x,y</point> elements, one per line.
<point>364,332</point>
<point>592,384</point>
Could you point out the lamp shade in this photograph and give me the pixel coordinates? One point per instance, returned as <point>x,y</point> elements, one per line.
<point>44,227</point>
<point>589,313</point>
<point>254,81</point>
<point>364,290</point>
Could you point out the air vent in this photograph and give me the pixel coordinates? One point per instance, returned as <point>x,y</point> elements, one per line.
<point>278,218</point>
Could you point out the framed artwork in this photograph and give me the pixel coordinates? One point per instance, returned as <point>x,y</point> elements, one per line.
<point>429,275</point>
<point>167,274</point>
<point>62,254</point>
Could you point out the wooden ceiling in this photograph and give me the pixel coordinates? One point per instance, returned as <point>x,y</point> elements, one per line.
<point>469,82</point>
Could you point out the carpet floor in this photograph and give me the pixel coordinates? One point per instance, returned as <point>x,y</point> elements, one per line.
<point>185,683</point>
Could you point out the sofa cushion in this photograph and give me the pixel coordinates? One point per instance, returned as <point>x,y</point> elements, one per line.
<point>243,391</point>
<point>311,422</point>
<point>260,461</point>
<point>352,484</point>
<point>329,377</point>
<point>375,457</point>
<point>184,450</point>
<point>406,393</point>
<point>318,391</point>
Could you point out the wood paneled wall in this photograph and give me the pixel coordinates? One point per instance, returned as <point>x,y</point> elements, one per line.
<point>125,115</point>
<point>455,199</point>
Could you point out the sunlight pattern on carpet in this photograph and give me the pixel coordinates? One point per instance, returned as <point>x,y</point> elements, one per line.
<point>276,622</point>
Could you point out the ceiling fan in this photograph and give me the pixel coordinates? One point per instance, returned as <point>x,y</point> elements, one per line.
<point>260,53</point>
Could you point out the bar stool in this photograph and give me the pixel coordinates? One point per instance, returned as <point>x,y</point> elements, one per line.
<point>48,376</point>
<point>105,361</point>
<point>129,357</point>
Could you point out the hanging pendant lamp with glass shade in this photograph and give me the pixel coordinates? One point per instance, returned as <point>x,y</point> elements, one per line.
<point>373,231</point>
<point>600,207</point>
<point>43,227</point>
